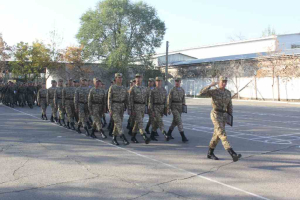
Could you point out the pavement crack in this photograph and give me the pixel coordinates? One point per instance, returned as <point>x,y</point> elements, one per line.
<point>145,194</point>
<point>15,171</point>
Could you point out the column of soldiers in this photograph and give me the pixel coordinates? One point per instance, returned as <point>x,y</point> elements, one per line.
<point>19,94</point>
<point>85,103</point>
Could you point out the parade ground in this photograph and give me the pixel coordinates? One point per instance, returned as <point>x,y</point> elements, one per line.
<point>41,160</point>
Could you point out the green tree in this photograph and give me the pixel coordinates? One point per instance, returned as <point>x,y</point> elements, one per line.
<point>121,33</point>
<point>5,51</point>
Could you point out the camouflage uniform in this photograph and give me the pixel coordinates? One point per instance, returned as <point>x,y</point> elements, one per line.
<point>221,103</point>
<point>30,95</point>
<point>81,104</point>
<point>117,103</point>
<point>97,106</point>
<point>68,103</point>
<point>50,101</point>
<point>176,99</point>
<point>150,120</point>
<point>22,93</point>
<point>58,102</point>
<point>42,100</point>
<point>222,106</point>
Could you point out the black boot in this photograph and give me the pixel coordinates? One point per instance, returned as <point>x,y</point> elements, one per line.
<point>156,134</point>
<point>87,133</point>
<point>235,157</point>
<point>51,119</point>
<point>45,117</point>
<point>184,139</point>
<point>42,117</point>
<point>166,135</point>
<point>68,125</point>
<point>125,141</point>
<point>147,140</point>
<point>59,122</point>
<point>72,125</point>
<point>211,155</point>
<point>110,132</point>
<point>128,125</point>
<point>93,134</point>
<point>114,140</point>
<point>152,137</point>
<point>78,129</point>
<point>170,134</point>
<point>133,139</point>
<point>102,134</point>
<point>147,129</point>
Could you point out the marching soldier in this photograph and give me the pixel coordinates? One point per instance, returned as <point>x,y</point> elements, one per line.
<point>50,101</point>
<point>176,99</point>
<point>42,100</point>
<point>111,121</point>
<point>222,104</point>
<point>58,103</point>
<point>30,94</point>
<point>81,105</point>
<point>130,119</point>
<point>149,88</point>
<point>117,103</point>
<point>104,117</point>
<point>22,93</point>
<point>68,103</point>
<point>137,102</point>
<point>158,105</point>
<point>97,106</point>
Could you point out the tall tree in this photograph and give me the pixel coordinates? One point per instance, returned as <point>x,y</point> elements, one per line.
<point>120,32</point>
<point>5,51</point>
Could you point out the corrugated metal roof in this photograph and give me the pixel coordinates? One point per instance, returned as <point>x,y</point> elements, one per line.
<point>218,59</point>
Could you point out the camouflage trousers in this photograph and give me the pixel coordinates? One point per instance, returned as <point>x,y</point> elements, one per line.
<point>97,113</point>
<point>70,110</point>
<point>22,98</point>
<point>30,99</point>
<point>139,110</point>
<point>53,108</point>
<point>117,117</point>
<point>83,112</point>
<point>176,111</point>
<point>158,116</point>
<point>43,104</point>
<point>150,120</point>
<point>61,110</point>
<point>219,119</point>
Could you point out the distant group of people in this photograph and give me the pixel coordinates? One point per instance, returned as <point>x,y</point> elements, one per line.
<point>21,94</point>
<point>85,104</point>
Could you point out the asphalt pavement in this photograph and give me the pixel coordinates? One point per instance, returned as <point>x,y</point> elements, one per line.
<point>41,160</point>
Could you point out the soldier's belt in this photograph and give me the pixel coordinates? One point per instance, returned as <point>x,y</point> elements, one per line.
<point>97,103</point>
<point>69,99</point>
<point>176,101</point>
<point>219,110</point>
<point>139,102</point>
<point>83,102</point>
<point>118,101</point>
<point>158,104</point>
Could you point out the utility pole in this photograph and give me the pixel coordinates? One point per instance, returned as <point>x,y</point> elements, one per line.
<point>166,70</point>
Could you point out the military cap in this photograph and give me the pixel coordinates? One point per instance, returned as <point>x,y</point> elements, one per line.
<point>53,81</point>
<point>223,78</point>
<point>151,79</point>
<point>138,75</point>
<point>178,79</point>
<point>60,80</point>
<point>158,78</point>
<point>118,75</point>
<point>82,79</point>
<point>96,79</point>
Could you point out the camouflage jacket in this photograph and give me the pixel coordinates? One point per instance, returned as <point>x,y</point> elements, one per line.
<point>117,94</point>
<point>81,96</point>
<point>98,97</point>
<point>68,94</point>
<point>158,96</point>
<point>42,94</point>
<point>58,95</point>
<point>221,99</point>
<point>176,97</point>
<point>50,94</point>
<point>137,95</point>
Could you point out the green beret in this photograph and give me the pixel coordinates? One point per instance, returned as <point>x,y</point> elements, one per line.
<point>178,79</point>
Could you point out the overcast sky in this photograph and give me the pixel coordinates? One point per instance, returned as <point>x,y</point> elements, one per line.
<point>189,23</point>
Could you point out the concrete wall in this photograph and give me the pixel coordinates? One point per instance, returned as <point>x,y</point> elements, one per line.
<point>289,89</point>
